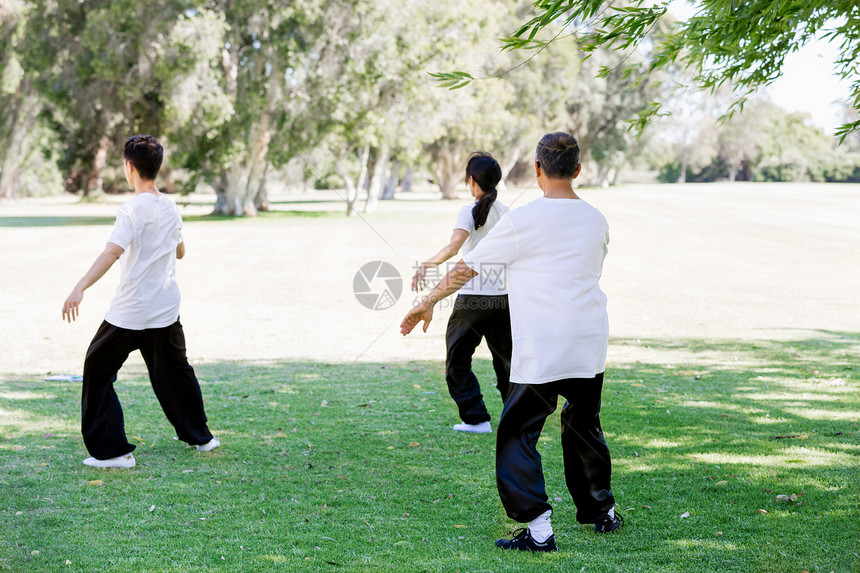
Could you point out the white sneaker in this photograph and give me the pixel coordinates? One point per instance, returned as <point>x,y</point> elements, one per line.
<point>208,446</point>
<point>482,428</point>
<point>126,461</point>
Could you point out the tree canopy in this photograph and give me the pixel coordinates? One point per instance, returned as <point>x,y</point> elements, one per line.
<point>725,42</point>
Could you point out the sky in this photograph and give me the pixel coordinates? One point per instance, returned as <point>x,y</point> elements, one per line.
<point>808,84</point>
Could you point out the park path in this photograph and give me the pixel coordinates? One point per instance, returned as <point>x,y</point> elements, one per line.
<point>716,261</point>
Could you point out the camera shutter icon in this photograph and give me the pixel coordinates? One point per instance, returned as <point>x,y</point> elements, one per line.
<point>377,285</point>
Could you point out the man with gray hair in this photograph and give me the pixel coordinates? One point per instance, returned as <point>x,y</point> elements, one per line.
<point>553,250</point>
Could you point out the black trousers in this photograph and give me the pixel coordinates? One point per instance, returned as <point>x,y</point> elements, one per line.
<point>475,317</point>
<point>172,379</point>
<point>587,465</point>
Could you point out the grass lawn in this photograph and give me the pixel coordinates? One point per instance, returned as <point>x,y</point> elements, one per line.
<point>353,467</point>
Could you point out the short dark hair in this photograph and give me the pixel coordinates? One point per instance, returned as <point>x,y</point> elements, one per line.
<point>145,153</point>
<point>558,155</point>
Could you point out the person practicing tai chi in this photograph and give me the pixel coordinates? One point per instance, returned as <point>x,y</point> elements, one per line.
<point>553,250</point>
<point>481,309</point>
<point>144,315</point>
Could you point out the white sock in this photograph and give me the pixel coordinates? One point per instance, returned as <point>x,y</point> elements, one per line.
<point>540,527</point>
<point>611,512</point>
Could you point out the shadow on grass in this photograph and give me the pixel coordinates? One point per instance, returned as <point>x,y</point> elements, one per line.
<point>355,467</point>
<point>337,201</point>
<point>73,221</point>
<point>79,221</point>
<point>824,343</point>
<point>266,216</point>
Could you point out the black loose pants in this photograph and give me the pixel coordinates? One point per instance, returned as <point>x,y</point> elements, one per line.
<point>172,378</point>
<point>475,317</point>
<point>587,465</point>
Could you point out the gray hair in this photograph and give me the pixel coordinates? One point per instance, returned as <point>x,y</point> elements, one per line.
<point>557,155</point>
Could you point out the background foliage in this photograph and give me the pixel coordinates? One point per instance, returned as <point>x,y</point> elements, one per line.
<point>246,93</point>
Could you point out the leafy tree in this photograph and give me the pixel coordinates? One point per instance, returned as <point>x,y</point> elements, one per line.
<point>557,88</point>
<point>262,69</point>
<point>600,105</point>
<point>508,112</point>
<point>389,108</point>
<point>26,144</point>
<point>104,70</point>
<point>386,109</point>
<point>380,98</point>
<point>538,95</point>
<point>742,44</point>
<point>741,139</point>
<point>795,150</point>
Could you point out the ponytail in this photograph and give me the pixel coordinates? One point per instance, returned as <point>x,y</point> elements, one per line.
<point>487,173</point>
<point>482,208</point>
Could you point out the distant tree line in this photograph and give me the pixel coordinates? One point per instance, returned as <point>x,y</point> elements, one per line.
<point>764,143</point>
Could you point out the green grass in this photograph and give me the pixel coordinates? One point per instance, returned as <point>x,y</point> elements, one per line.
<point>265,216</point>
<point>354,468</point>
<point>70,221</point>
<point>79,221</point>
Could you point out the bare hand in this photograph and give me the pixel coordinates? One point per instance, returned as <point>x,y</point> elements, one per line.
<point>70,307</point>
<point>414,316</point>
<point>419,281</point>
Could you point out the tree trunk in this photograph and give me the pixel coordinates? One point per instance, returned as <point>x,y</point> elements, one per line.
<point>733,172</point>
<point>261,198</point>
<point>9,183</point>
<point>352,186</point>
<point>21,119</point>
<point>607,174</point>
<point>745,170</point>
<point>448,174</point>
<point>99,163</point>
<point>391,183</point>
<point>241,184</point>
<point>682,178</point>
<point>374,189</point>
<point>509,162</point>
<point>406,183</point>
<point>230,191</point>
<point>165,174</point>
<point>351,191</point>
<point>590,174</point>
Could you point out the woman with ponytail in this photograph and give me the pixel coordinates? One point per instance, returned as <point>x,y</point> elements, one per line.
<point>481,311</point>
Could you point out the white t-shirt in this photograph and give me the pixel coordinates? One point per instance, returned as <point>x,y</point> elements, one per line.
<point>148,228</point>
<point>491,280</point>
<point>553,251</point>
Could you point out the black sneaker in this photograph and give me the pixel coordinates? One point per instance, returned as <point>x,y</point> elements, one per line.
<point>524,542</point>
<point>608,524</point>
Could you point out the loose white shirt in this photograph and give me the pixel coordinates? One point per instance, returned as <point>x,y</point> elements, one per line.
<point>148,227</point>
<point>553,252</point>
<point>491,280</point>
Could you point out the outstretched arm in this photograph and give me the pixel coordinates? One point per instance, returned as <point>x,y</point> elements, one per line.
<point>458,237</point>
<point>104,261</point>
<point>450,283</point>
